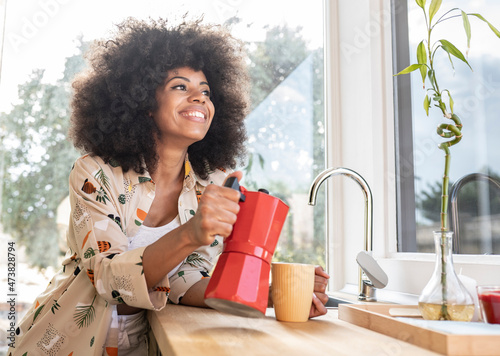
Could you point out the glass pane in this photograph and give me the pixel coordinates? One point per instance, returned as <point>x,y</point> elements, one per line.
<point>286,138</point>
<point>476,97</point>
<point>42,52</point>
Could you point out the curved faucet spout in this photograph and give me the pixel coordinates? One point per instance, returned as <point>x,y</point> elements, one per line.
<point>453,202</point>
<point>313,191</point>
<point>366,288</point>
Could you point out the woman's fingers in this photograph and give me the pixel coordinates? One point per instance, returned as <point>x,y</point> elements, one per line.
<point>317,307</point>
<point>217,212</point>
<point>320,283</point>
<point>319,271</point>
<point>221,199</point>
<point>319,287</point>
<point>320,279</point>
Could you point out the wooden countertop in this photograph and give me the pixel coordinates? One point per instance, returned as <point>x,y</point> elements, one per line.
<point>182,330</point>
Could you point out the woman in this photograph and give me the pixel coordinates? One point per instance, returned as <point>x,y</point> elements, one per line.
<point>160,116</point>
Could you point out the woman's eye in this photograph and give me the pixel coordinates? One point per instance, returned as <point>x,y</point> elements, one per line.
<point>180,87</point>
<point>206,92</point>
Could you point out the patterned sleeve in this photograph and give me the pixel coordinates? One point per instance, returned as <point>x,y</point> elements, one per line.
<point>195,267</point>
<point>97,213</point>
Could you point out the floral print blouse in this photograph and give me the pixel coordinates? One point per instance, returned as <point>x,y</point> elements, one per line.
<point>72,316</point>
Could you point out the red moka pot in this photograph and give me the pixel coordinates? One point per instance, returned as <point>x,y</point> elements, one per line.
<point>240,282</point>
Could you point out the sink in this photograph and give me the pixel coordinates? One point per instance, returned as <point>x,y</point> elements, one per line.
<point>334,302</point>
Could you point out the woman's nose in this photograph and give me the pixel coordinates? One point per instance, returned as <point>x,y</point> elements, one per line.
<point>197,97</point>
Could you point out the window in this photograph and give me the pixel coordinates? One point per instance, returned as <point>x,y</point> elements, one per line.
<point>42,51</point>
<point>361,109</point>
<point>476,97</point>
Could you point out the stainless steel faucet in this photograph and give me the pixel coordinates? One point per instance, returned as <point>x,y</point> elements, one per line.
<point>453,202</point>
<point>366,287</point>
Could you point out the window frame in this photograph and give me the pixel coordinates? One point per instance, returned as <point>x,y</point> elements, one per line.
<point>359,67</point>
<point>405,187</point>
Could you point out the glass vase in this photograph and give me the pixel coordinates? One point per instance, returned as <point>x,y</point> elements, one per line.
<point>445,297</point>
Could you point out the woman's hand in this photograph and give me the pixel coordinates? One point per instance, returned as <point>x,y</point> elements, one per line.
<point>216,213</point>
<point>319,296</point>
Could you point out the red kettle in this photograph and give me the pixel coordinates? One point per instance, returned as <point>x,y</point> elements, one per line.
<point>240,282</point>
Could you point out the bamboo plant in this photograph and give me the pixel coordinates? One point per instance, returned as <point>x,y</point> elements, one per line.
<point>442,99</point>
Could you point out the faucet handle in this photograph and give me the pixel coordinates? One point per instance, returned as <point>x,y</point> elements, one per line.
<point>372,269</point>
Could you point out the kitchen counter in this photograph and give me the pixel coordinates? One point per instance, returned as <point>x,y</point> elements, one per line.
<point>182,330</point>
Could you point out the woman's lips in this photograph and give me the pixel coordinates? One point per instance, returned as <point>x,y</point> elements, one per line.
<point>194,115</point>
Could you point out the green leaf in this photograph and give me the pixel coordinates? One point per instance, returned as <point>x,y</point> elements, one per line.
<point>466,22</point>
<point>261,161</point>
<point>410,69</point>
<point>84,314</point>
<point>144,179</point>
<point>420,3</point>
<point>452,103</point>
<point>89,253</point>
<point>37,312</point>
<point>102,178</point>
<point>489,24</point>
<point>55,306</point>
<point>431,78</point>
<point>422,59</point>
<point>451,49</point>
<point>427,104</point>
<point>435,5</point>
<point>195,259</point>
<point>449,57</point>
<point>421,53</point>
<point>114,163</point>
<point>250,163</point>
<point>140,264</point>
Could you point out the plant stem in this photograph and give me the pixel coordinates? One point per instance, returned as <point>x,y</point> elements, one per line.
<point>444,189</point>
<point>444,304</point>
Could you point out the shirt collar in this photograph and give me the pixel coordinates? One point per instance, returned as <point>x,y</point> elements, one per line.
<point>190,177</point>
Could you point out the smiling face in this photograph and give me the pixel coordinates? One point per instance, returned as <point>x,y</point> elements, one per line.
<point>185,110</point>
